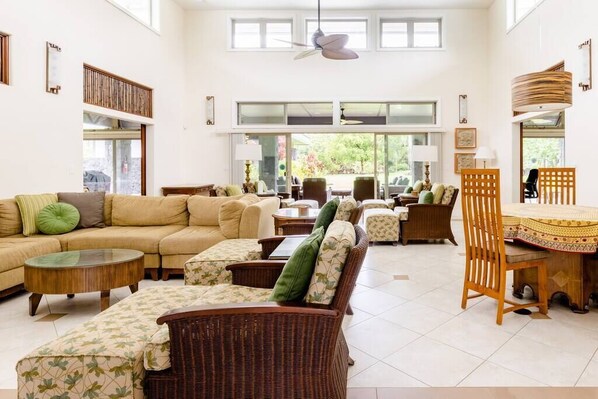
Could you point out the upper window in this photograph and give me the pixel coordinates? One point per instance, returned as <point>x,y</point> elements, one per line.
<point>4,58</point>
<point>357,30</point>
<point>388,113</point>
<point>145,11</point>
<point>284,113</point>
<point>262,33</point>
<point>410,33</point>
<point>518,9</point>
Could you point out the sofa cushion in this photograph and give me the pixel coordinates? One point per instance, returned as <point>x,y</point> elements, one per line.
<point>337,243</point>
<point>30,206</point>
<point>418,186</point>
<point>145,239</point>
<point>346,206</point>
<point>327,213</point>
<point>14,251</point>
<point>229,215</point>
<point>108,198</point>
<point>447,196</point>
<point>10,218</point>
<point>220,191</point>
<point>294,279</point>
<point>57,218</point>
<point>191,240</point>
<point>437,190</point>
<point>233,189</point>
<point>426,197</point>
<point>204,211</point>
<point>90,206</point>
<point>156,211</point>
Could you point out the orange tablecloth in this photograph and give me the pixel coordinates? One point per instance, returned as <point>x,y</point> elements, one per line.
<point>567,228</point>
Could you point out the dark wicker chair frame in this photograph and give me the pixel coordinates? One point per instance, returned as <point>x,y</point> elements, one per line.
<point>259,350</point>
<point>314,188</point>
<point>429,222</point>
<point>364,188</point>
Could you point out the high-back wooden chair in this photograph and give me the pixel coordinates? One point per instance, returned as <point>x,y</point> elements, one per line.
<point>487,257</point>
<point>556,186</point>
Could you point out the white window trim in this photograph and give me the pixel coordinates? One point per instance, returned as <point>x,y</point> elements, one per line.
<point>511,14</point>
<point>412,18</point>
<point>263,16</point>
<point>154,15</point>
<point>341,17</point>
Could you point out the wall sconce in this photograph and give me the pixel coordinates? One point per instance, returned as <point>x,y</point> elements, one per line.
<point>53,81</point>
<point>586,65</point>
<point>209,110</point>
<point>462,108</point>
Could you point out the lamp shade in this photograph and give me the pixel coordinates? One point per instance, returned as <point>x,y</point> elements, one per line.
<point>248,152</point>
<point>424,153</point>
<point>542,91</point>
<point>484,153</point>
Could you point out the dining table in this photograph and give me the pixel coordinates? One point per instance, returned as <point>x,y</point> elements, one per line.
<point>570,234</point>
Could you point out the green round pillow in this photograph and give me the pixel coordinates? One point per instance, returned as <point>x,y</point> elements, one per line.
<point>57,218</point>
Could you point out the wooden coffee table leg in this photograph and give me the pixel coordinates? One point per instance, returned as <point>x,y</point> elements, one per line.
<point>34,303</point>
<point>104,300</point>
<point>134,288</point>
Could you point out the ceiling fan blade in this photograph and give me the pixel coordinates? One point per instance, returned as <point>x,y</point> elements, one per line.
<point>333,42</point>
<point>340,54</point>
<point>306,53</point>
<point>350,122</point>
<point>294,43</point>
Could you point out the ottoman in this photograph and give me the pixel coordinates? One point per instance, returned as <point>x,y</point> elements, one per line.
<point>208,267</point>
<point>382,225</point>
<point>313,204</point>
<point>374,204</point>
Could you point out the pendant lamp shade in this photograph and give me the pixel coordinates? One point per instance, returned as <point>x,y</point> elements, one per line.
<point>542,91</point>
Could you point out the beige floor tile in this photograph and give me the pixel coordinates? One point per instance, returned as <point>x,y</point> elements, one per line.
<point>589,377</point>
<point>383,375</point>
<point>549,365</point>
<point>493,375</point>
<point>443,300</point>
<point>362,361</point>
<point>484,312</point>
<point>375,302</point>
<point>487,393</point>
<point>470,337</point>
<point>416,317</point>
<point>361,393</point>
<point>407,289</point>
<point>7,393</point>
<point>357,317</point>
<point>434,363</point>
<point>373,278</point>
<point>379,338</point>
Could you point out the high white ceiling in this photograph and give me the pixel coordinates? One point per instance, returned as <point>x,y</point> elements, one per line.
<point>330,4</point>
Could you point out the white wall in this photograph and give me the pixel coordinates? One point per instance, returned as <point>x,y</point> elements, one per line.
<point>550,34</point>
<point>386,75</point>
<point>41,133</point>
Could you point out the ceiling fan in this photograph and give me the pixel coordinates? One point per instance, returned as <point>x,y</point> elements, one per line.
<point>345,121</point>
<point>331,46</point>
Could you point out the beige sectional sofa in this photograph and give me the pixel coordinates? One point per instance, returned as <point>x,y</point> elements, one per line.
<point>168,230</point>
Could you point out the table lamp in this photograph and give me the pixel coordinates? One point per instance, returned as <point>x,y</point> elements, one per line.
<point>427,154</point>
<point>484,153</point>
<point>248,153</point>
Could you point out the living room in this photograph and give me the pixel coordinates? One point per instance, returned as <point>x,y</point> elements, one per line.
<point>187,56</point>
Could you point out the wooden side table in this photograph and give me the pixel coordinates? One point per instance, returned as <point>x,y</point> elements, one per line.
<point>189,189</point>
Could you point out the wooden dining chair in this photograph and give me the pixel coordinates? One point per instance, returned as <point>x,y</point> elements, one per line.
<point>487,256</point>
<point>556,186</point>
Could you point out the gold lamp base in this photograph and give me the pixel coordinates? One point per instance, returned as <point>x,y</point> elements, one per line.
<point>247,172</point>
<point>427,186</point>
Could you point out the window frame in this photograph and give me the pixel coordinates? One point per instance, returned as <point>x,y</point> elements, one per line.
<point>263,22</point>
<point>511,16</point>
<point>154,24</point>
<point>4,58</point>
<point>410,33</point>
<point>307,34</point>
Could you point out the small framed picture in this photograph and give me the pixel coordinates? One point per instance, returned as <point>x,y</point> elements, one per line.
<point>464,160</point>
<point>465,137</point>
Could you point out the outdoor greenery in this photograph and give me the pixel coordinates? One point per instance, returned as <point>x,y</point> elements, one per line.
<point>542,153</point>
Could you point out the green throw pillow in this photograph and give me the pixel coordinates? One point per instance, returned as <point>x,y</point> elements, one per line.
<point>326,215</point>
<point>57,218</point>
<point>233,189</point>
<point>294,279</point>
<point>408,190</point>
<point>426,197</point>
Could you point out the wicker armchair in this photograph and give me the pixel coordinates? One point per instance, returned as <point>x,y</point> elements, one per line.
<point>429,222</point>
<point>260,350</point>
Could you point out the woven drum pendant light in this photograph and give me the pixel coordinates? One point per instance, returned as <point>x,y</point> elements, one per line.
<point>541,91</point>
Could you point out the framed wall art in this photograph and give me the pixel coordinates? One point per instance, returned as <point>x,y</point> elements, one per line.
<point>465,137</point>
<point>464,160</point>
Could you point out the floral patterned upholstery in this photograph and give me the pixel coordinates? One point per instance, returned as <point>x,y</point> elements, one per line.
<point>374,204</point>
<point>403,212</point>
<point>338,241</point>
<point>343,212</point>
<point>447,196</point>
<point>381,225</point>
<point>208,267</point>
<point>157,351</point>
<point>104,356</point>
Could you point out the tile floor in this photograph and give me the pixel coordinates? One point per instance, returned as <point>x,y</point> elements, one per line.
<point>408,330</point>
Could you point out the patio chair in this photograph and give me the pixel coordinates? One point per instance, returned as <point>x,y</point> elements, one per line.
<point>364,187</point>
<point>314,188</point>
<point>530,187</point>
<point>487,256</point>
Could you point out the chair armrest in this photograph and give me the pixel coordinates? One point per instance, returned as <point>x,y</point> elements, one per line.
<point>269,245</point>
<point>429,213</point>
<point>258,273</point>
<point>290,229</point>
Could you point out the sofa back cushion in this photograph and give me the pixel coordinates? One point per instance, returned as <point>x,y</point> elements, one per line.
<point>426,197</point>
<point>30,206</point>
<point>337,243</point>
<point>90,206</point>
<point>10,218</point>
<point>438,190</point>
<point>131,210</point>
<point>229,214</point>
<point>346,206</point>
<point>447,196</point>
<point>204,211</point>
<point>108,198</point>
<point>327,213</point>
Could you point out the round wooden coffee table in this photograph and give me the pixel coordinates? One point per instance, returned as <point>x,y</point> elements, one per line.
<point>89,270</point>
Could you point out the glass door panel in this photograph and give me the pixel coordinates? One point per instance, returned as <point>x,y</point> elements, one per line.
<point>272,170</point>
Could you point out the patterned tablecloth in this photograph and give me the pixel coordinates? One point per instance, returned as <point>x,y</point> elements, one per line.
<point>567,228</point>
